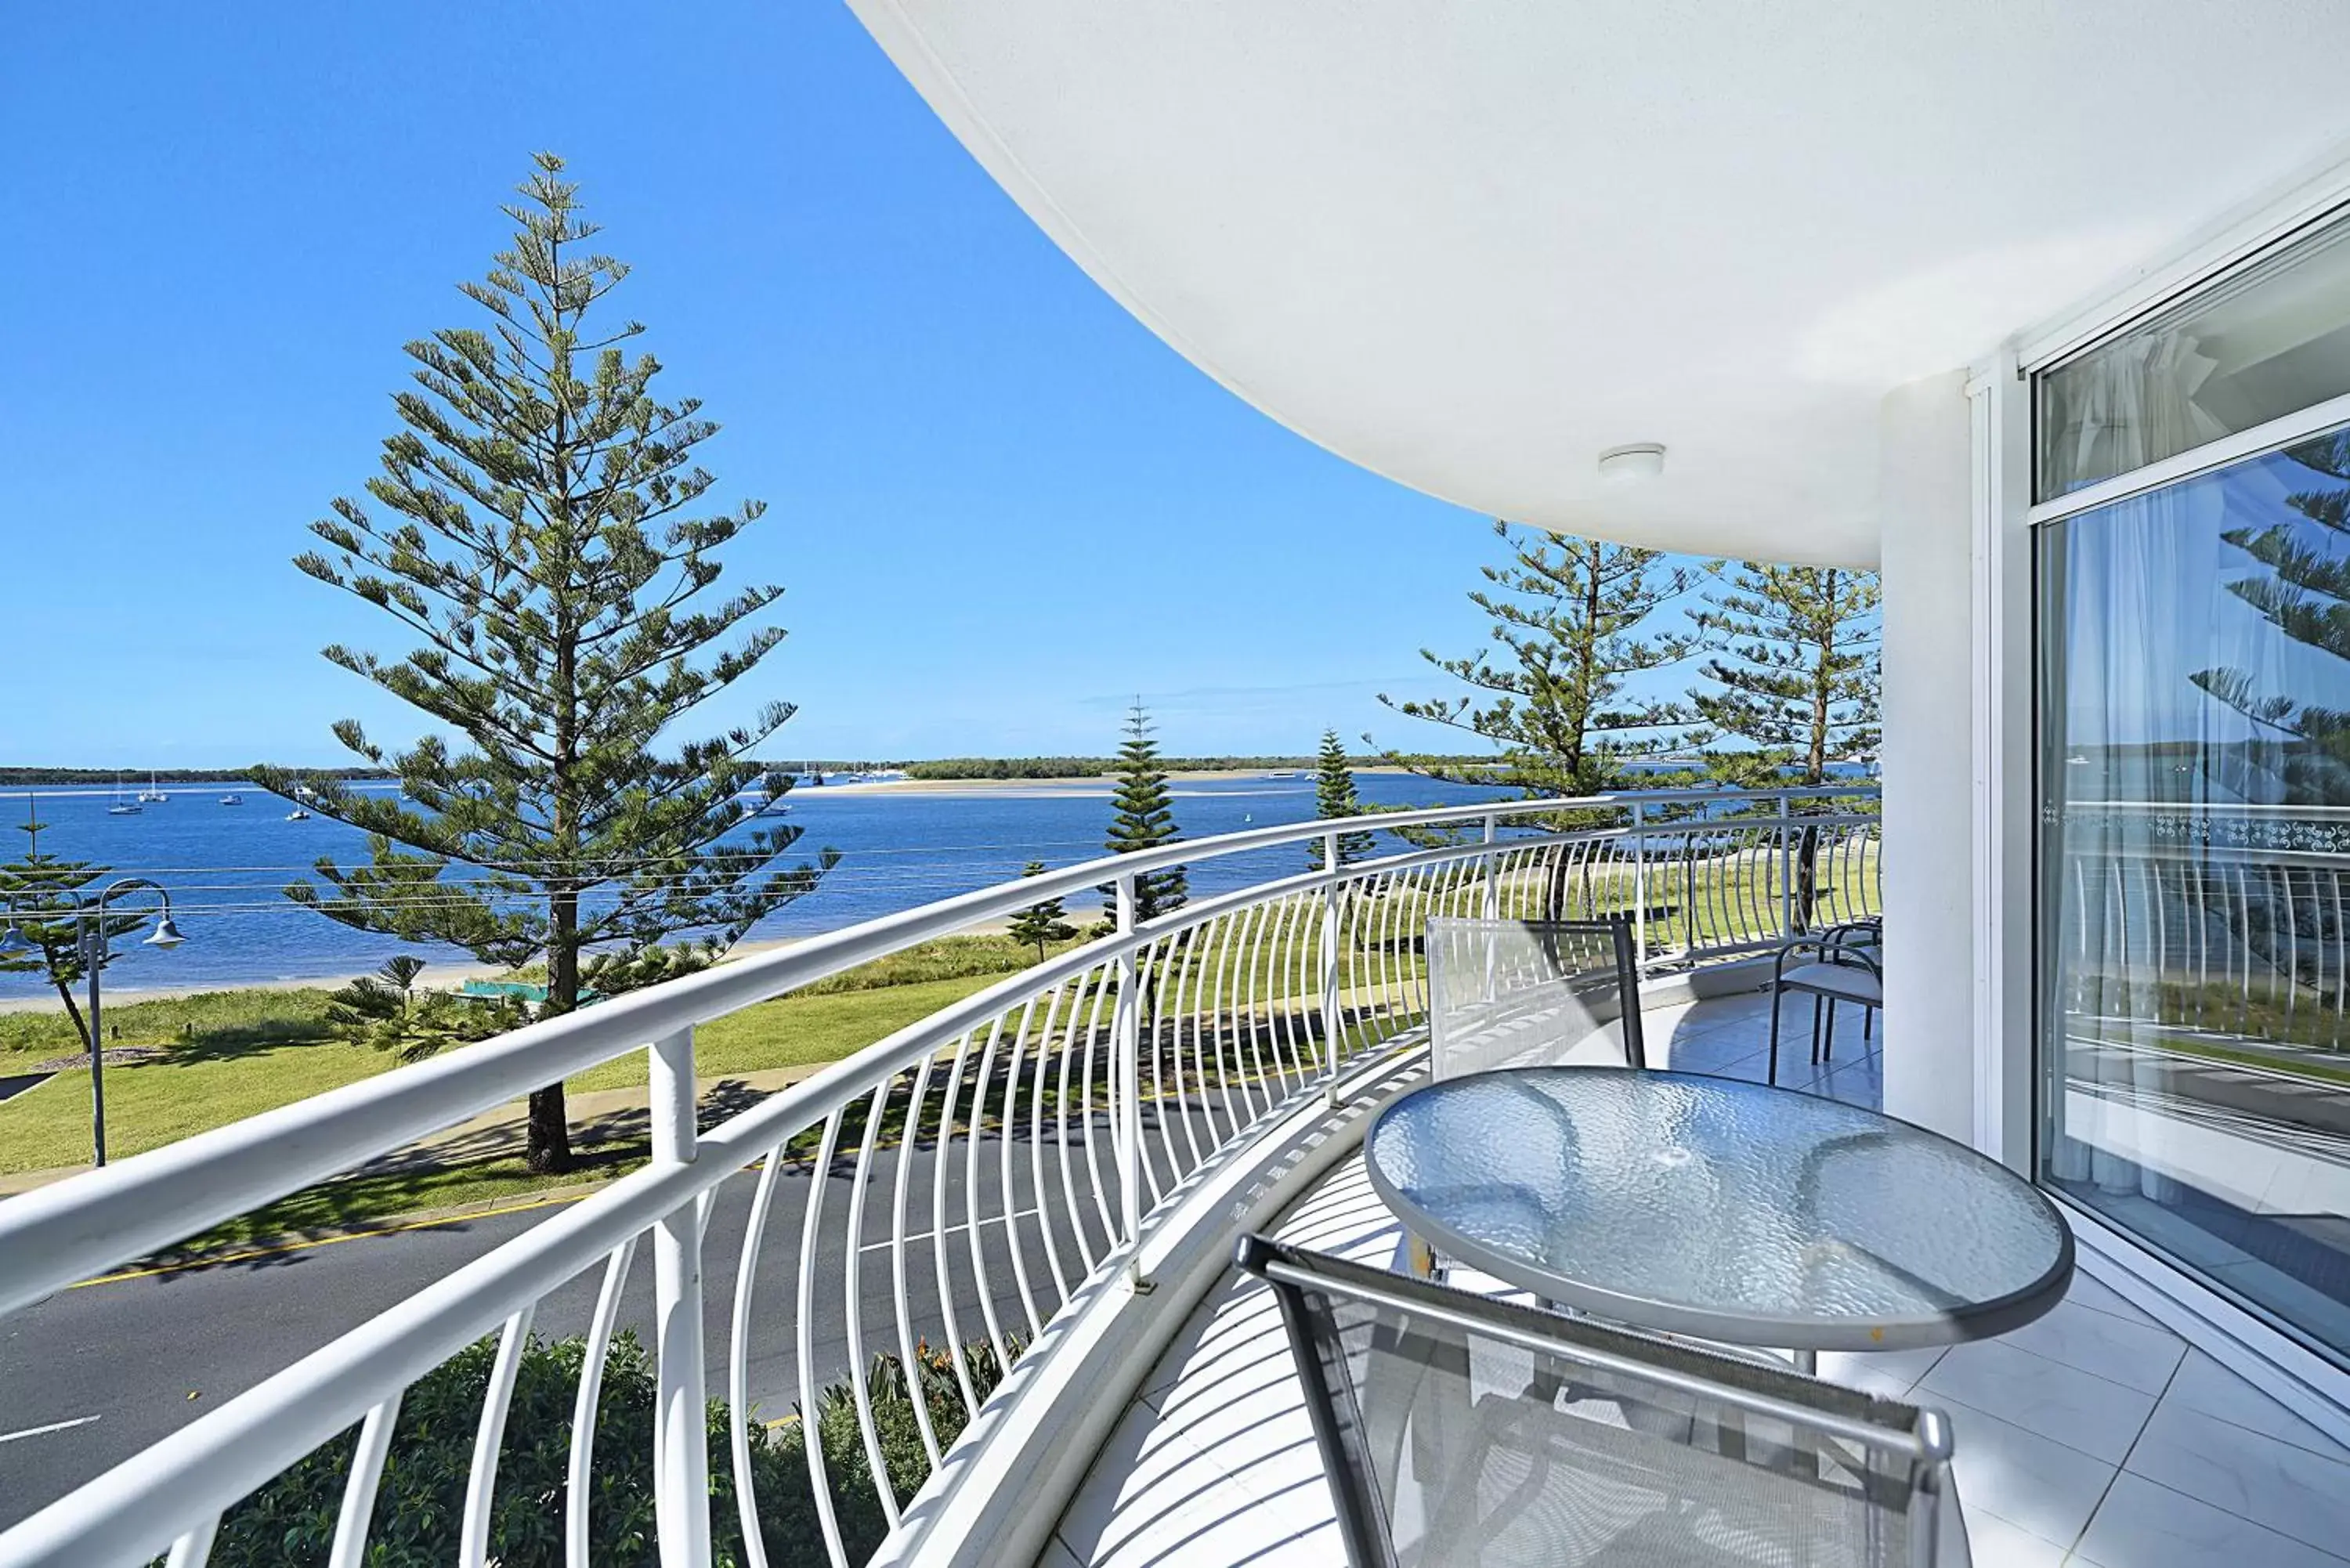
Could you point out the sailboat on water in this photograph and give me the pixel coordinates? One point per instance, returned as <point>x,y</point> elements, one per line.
<point>151,795</point>
<point>122,807</point>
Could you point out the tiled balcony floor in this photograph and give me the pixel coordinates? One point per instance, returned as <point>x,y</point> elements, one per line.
<point>2092,1437</point>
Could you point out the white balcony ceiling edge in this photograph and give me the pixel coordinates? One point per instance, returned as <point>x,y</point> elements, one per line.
<point>1472,247</point>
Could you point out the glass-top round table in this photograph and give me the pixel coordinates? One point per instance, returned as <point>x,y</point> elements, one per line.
<point>1719,1210</point>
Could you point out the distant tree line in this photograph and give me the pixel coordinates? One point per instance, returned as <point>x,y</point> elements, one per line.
<point>957,768</point>
<point>61,777</point>
<point>1009,768</point>
<point>1080,767</point>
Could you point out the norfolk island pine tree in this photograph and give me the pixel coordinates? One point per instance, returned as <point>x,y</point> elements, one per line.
<point>1568,617</point>
<point>1040,925</point>
<point>2292,750</point>
<point>1569,620</point>
<point>44,896</point>
<point>1335,798</point>
<point>544,552</point>
<point>1795,673</point>
<point>1143,817</point>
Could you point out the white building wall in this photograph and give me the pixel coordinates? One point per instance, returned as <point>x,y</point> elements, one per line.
<point>1925,469</point>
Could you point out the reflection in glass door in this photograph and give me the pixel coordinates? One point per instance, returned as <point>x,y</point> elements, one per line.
<point>2195,875</point>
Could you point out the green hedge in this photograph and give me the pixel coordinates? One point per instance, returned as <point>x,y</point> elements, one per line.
<point>420,1507</point>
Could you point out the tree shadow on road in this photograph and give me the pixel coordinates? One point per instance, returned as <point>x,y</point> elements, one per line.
<point>482,1168</point>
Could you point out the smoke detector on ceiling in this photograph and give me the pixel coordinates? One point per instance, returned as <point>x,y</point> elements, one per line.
<point>1625,464</point>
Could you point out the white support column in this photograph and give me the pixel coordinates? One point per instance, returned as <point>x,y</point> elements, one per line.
<point>1126,1091</point>
<point>1332,909</point>
<point>1493,908</point>
<point>1639,888</point>
<point>681,1452</point>
<point>1787,847</point>
<point>1924,496</point>
<point>1492,884</point>
<point>2004,817</point>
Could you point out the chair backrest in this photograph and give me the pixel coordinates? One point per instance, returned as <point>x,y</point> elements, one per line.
<point>1529,993</point>
<point>1866,932</point>
<point>1456,1429</point>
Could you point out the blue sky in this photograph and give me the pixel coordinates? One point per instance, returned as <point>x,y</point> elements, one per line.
<point>1000,508</point>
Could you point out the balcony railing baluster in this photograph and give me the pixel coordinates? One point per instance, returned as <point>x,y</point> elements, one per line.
<point>1204,1026</point>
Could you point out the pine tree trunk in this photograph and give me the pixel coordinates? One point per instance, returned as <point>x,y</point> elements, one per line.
<point>81,1027</point>
<point>1816,759</point>
<point>1807,877</point>
<point>1553,906</point>
<point>549,1149</point>
<point>550,1132</point>
<point>1815,773</point>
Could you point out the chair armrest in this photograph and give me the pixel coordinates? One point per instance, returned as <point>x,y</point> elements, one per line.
<point>1831,949</point>
<point>1796,944</point>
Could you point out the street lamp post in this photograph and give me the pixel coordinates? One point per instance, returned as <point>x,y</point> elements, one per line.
<point>91,946</point>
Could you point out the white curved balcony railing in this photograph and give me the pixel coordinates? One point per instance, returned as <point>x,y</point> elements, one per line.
<point>2226,917</point>
<point>933,1200</point>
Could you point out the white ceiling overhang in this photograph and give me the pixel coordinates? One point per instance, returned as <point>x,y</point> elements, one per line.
<point>1472,246</point>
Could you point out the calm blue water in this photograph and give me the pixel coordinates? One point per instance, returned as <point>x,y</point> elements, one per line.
<point>224,865</point>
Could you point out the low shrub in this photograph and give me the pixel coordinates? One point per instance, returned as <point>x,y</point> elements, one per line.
<point>419,1508</point>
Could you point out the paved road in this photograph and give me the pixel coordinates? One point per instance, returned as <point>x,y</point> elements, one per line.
<point>2274,1103</point>
<point>95,1373</point>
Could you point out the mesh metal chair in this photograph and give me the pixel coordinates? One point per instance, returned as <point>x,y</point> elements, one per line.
<point>1459,1431</point>
<point>1846,965</point>
<point>1521,993</point>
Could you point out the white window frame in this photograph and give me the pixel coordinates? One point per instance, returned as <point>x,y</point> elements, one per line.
<point>2006,521</point>
<point>1998,404</point>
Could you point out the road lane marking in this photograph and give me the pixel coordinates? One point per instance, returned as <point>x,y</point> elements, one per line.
<point>45,1431</point>
<point>913,1236</point>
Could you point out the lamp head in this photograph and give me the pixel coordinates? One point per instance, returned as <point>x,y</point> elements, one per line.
<point>13,943</point>
<point>167,935</point>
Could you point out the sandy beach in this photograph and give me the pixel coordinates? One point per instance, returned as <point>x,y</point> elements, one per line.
<point>1051,788</point>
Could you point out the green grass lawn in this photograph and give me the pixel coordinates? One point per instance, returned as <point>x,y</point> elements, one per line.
<point>228,1054</point>
<point>234,1054</point>
<point>222,1017</point>
<point>197,1087</point>
<point>796,1030</point>
<point>275,1055</point>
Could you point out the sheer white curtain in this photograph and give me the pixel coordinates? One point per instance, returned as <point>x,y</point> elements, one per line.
<point>2121,665</point>
<point>2130,405</point>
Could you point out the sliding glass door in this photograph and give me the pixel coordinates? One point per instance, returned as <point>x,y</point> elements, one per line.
<point>2195,875</point>
<point>2193,933</point>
